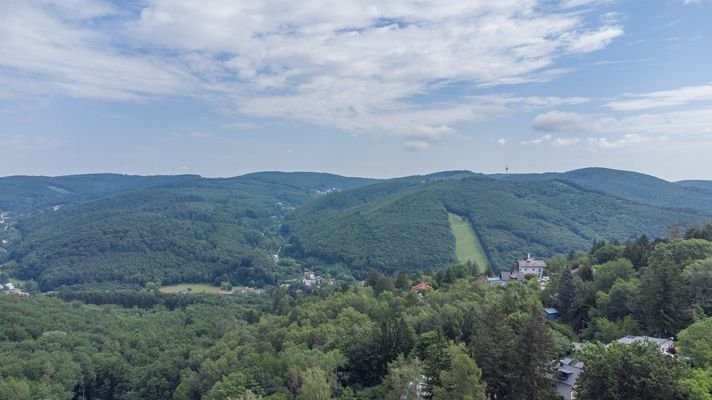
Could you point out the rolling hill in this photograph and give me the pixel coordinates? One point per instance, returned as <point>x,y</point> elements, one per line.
<point>27,194</point>
<point>632,186</point>
<point>404,223</point>
<point>195,230</point>
<point>133,230</point>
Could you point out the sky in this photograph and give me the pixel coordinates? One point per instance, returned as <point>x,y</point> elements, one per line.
<point>355,87</point>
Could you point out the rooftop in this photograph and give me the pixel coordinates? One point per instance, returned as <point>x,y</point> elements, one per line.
<point>531,263</point>
<point>643,339</point>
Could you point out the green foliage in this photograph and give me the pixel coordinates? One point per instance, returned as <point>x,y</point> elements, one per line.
<point>698,278</point>
<point>29,194</point>
<point>404,376</point>
<point>461,381</point>
<point>196,231</point>
<point>635,371</point>
<point>695,343</point>
<point>663,300</point>
<point>314,385</point>
<point>604,276</point>
<point>698,385</point>
<point>403,223</point>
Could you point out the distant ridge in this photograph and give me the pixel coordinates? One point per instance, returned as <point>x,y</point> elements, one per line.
<point>132,229</point>
<point>629,185</point>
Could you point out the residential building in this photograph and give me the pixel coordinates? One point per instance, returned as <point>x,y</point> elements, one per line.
<point>567,373</point>
<point>504,278</point>
<point>666,346</point>
<point>531,266</point>
<point>421,287</point>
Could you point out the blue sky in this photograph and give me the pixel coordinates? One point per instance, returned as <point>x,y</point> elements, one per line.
<point>221,88</point>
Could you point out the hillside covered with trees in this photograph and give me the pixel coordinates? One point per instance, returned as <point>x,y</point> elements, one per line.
<point>200,230</point>
<point>403,223</point>
<point>461,340</point>
<point>96,229</point>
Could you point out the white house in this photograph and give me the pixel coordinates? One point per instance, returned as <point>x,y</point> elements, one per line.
<point>531,266</point>
<point>664,345</point>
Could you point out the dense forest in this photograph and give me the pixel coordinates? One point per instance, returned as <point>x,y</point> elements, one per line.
<point>126,231</point>
<point>461,340</point>
<point>200,230</point>
<point>403,224</point>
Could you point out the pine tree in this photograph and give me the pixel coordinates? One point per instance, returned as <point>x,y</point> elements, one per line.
<point>534,362</point>
<point>566,295</point>
<point>494,349</point>
<point>437,359</point>
<point>462,381</point>
<point>663,302</point>
<point>402,282</point>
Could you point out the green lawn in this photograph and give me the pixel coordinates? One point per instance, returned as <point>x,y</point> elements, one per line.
<point>467,245</point>
<point>195,288</point>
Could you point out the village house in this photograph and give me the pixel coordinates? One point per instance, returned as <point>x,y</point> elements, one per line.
<point>421,287</point>
<point>567,372</point>
<point>10,289</point>
<point>531,266</point>
<point>311,279</point>
<point>666,346</point>
<point>504,278</point>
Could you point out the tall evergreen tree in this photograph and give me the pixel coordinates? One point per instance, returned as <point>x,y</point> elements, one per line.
<point>566,295</point>
<point>534,361</point>
<point>494,349</point>
<point>462,381</point>
<point>437,359</point>
<point>663,303</point>
<point>629,372</point>
<point>402,282</point>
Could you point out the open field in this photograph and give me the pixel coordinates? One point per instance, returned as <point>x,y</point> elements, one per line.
<point>195,288</point>
<point>467,245</point>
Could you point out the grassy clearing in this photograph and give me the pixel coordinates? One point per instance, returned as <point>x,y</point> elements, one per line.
<point>467,244</point>
<point>195,288</point>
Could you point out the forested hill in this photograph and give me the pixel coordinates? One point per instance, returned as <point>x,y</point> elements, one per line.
<point>25,194</point>
<point>194,230</point>
<point>114,228</point>
<point>403,224</point>
<point>633,186</point>
<point>697,186</point>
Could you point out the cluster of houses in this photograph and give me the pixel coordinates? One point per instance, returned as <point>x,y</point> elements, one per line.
<point>241,290</point>
<point>523,268</point>
<point>311,279</point>
<point>10,289</point>
<point>567,370</point>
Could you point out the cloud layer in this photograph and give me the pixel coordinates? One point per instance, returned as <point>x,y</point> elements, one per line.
<point>366,67</point>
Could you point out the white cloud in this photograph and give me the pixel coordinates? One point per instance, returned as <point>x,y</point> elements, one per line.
<point>563,142</point>
<point>558,121</point>
<point>591,41</point>
<point>624,141</point>
<point>551,140</point>
<point>663,98</point>
<point>502,141</point>
<point>416,145</point>
<point>543,139</point>
<point>356,65</point>
<point>621,131</point>
<point>580,3</point>
<point>43,48</point>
